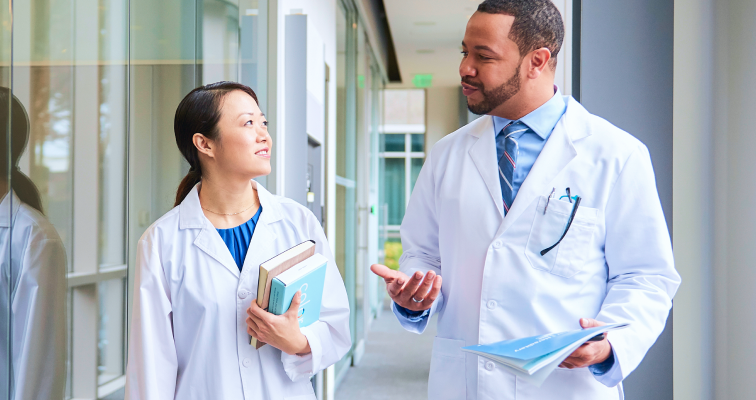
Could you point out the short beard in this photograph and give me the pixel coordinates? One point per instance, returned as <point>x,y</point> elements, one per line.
<point>497,96</point>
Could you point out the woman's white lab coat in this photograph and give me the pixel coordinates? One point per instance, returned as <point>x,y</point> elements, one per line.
<point>188,331</point>
<point>32,304</point>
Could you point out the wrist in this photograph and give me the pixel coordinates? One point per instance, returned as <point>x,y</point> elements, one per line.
<point>301,345</point>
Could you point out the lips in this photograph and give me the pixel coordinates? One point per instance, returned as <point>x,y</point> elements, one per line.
<point>468,89</point>
<point>265,153</point>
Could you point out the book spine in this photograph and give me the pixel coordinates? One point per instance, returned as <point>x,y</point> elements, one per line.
<point>277,291</point>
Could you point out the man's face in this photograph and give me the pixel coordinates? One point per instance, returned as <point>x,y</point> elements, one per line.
<point>490,67</point>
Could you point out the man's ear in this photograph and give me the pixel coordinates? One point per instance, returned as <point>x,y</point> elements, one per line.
<point>539,61</point>
<point>204,145</point>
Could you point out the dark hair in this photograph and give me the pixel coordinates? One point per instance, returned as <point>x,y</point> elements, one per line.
<point>199,112</point>
<point>14,122</point>
<point>537,24</point>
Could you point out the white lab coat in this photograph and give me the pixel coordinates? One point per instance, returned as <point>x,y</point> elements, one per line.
<point>188,331</point>
<point>615,264</point>
<point>32,304</point>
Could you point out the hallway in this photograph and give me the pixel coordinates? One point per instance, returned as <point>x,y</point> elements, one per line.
<point>395,365</point>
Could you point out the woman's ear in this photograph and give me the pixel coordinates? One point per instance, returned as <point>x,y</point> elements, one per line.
<point>204,145</point>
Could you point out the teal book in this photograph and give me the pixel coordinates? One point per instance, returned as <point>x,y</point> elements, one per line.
<point>308,277</point>
<point>534,358</point>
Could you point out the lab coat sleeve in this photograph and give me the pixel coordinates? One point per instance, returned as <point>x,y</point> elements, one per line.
<point>329,337</point>
<point>419,233</point>
<point>642,279</point>
<point>39,314</point>
<point>153,366</point>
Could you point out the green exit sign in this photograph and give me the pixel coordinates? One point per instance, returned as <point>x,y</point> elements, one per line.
<point>422,80</point>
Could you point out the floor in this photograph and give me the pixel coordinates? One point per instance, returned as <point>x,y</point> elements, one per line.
<point>395,365</point>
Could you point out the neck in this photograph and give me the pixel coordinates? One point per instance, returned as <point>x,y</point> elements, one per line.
<point>227,195</point>
<point>527,100</point>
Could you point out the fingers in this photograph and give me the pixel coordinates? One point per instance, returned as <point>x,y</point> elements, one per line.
<point>395,287</point>
<point>294,307</point>
<point>384,272</point>
<point>433,294</point>
<point>411,287</point>
<point>590,323</point>
<point>422,292</point>
<point>252,327</point>
<point>256,313</point>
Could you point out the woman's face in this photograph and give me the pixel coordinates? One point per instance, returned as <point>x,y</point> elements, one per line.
<point>244,146</point>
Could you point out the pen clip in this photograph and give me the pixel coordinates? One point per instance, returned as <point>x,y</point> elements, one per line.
<point>548,199</point>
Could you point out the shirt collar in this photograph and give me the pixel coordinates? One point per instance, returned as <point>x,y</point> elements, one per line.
<point>542,120</point>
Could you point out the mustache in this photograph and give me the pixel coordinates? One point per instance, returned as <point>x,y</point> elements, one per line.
<point>468,81</point>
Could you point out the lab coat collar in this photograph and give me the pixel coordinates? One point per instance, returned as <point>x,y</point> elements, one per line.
<point>5,205</point>
<point>558,151</point>
<point>209,241</point>
<point>192,217</point>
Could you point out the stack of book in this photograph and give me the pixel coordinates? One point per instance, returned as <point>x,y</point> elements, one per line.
<point>296,269</point>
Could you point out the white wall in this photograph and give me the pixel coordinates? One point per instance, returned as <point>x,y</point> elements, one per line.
<point>441,114</point>
<point>715,221</point>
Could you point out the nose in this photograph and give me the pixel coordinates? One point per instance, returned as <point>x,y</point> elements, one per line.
<point>466,68</point>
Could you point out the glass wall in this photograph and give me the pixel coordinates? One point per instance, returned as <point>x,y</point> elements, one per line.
<point>88,90</point>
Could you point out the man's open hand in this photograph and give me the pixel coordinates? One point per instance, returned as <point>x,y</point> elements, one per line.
<point>416,293</point>
<point>591,352</point>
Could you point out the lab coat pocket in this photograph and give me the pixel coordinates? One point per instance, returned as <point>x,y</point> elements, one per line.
<point>568,258</point>
<point>447,370</point>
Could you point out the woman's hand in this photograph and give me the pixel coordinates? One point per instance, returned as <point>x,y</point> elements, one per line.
<point>279,331</point>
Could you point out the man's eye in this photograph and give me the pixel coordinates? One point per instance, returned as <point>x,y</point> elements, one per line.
<point>464,54</point>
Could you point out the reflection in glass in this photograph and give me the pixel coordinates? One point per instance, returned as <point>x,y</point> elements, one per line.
<point>33,278</point>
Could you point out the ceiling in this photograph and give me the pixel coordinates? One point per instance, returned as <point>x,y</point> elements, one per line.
<point>427,36</point>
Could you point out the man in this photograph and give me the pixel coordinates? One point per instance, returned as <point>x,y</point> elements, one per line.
<point>491,212</point>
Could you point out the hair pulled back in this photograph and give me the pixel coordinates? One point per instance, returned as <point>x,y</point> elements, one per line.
<point>14,122</point>
<point>199,112</point>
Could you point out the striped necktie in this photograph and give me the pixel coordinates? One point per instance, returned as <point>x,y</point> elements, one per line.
<point>507,140</point>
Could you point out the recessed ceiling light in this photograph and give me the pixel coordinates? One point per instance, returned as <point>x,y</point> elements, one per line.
<point>425,23</point>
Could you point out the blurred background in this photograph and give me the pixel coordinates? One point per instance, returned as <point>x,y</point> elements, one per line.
<point>356,93</point>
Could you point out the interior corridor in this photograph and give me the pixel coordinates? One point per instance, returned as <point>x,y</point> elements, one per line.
<point>395,365</point>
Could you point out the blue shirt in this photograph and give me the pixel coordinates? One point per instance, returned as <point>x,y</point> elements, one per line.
<point>541,122</point>
<point>237,238</point>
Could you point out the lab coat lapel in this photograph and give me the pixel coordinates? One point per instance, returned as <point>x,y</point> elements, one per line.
<point>208,239</point>
<point>483,154</point>
<point>556,154</point>
<point>211,243</point>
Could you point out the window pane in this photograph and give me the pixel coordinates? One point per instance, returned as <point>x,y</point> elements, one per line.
<point>417,165</point>
<point>110,337</point>
<point>418,142</point>
<point>394,142</point>
<point>395,196</point>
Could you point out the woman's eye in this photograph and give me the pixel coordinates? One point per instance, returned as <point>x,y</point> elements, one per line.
<point>249,123</point>
<point>265,123</point>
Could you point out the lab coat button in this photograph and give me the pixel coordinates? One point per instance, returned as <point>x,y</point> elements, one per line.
<point>490,366</point>
<point>491,304</point>
<point>243,294</point>
<point>247,362</point>
<point>497,244</point>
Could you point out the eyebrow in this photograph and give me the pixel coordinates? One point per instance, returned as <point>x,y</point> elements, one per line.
<point>249,113</point>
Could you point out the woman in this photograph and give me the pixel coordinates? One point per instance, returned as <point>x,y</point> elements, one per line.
<point>196,270</point>
<point>32,274</point>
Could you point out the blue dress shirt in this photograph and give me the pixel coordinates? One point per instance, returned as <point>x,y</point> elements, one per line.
<point>541,122</point>
<point>237,239</point>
